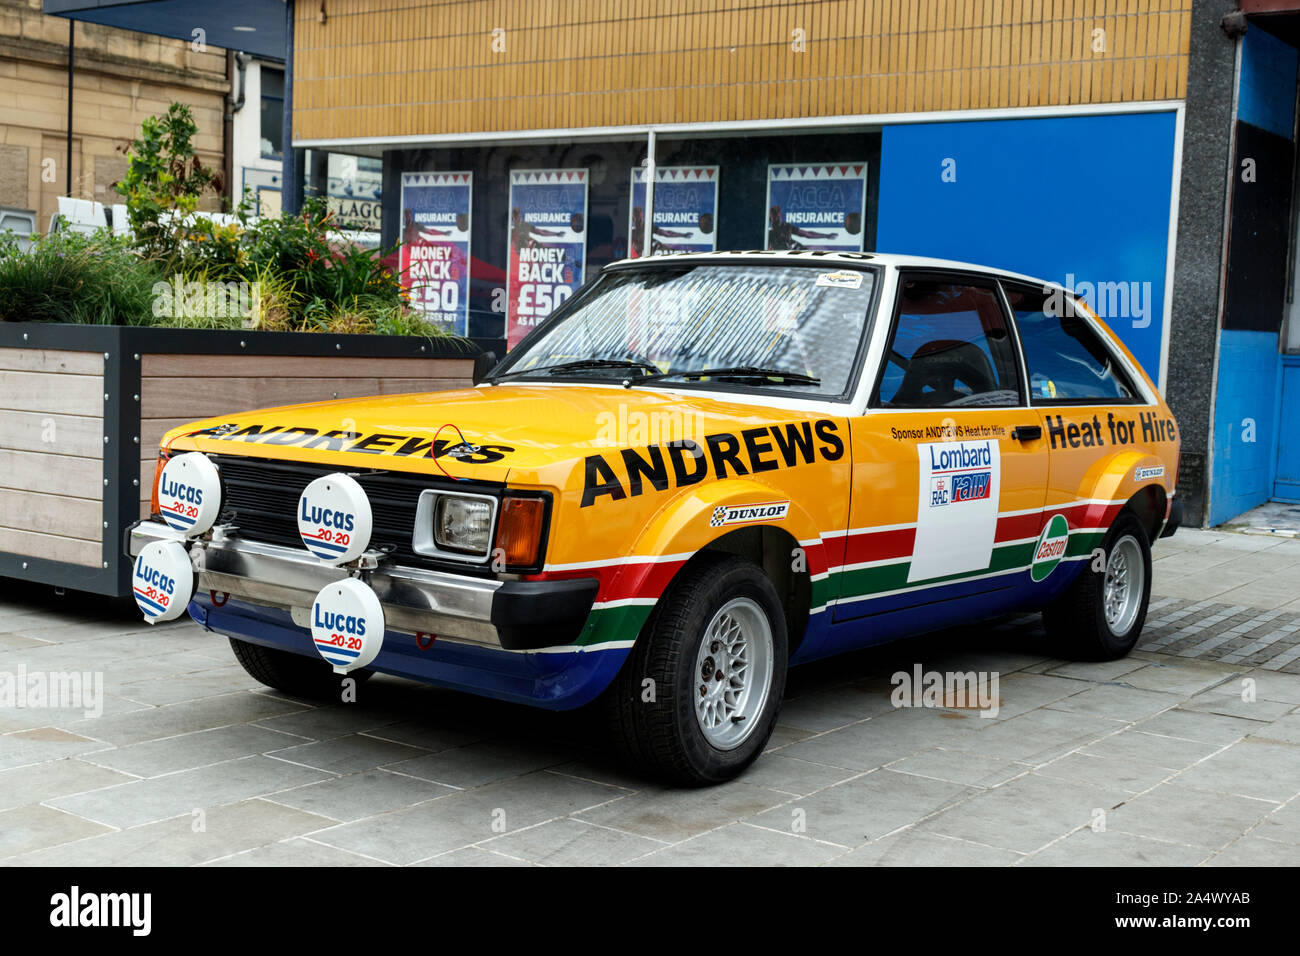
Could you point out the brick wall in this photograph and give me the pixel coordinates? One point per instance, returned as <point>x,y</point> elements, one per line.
<point>121,78</point>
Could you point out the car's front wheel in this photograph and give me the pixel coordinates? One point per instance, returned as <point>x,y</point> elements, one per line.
<point>295,674</point>
<point>697,699</point>
<point>1100,616</point>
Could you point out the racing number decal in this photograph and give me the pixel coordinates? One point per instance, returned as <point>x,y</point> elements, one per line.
<point>956,508</point>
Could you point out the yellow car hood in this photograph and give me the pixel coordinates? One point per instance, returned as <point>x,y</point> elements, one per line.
<point>531,433</point>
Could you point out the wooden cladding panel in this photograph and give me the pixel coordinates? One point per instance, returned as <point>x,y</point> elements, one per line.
<point>409,68</point>
<point>179,389</point>
<point>51,453</point>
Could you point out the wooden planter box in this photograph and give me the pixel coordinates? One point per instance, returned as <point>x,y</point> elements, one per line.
<point>83,408</point>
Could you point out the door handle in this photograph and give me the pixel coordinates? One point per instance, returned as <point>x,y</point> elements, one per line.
<point>1027,432</point>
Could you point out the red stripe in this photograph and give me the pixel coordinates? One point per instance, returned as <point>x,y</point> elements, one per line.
<point>1016,527</point>
<point>646,579</point>
<point>879,545</point>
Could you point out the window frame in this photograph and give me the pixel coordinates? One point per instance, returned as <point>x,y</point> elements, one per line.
<point>263,96</point>
<point>957,277</point>
<point>1124,371</point>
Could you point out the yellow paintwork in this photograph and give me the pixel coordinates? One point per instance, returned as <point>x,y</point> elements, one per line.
<point>551,432</point>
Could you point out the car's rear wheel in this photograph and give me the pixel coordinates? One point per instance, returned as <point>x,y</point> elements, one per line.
<point>1100,616</point>
<point>295,674</point>
<point>697,699</point>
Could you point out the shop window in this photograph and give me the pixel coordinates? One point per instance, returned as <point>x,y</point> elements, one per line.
<point>1067,360</point>
<point>950,347</point>
<point>272,83</point>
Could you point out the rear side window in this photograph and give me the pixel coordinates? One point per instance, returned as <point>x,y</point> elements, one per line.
<point>949,348</point>
<point>1067,360</point>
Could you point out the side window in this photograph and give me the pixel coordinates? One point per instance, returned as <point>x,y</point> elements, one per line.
<point>1066,359</point>
<point>950,347</point>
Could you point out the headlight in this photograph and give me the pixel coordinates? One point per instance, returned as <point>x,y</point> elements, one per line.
<point>462,524</point>
<point>458,527</point>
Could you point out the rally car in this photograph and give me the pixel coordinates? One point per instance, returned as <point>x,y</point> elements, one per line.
<point>699,471</point>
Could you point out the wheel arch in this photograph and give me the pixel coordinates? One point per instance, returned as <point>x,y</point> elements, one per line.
<point>774,547</point>
<point>1149,505</point>
<point>1114,479</point>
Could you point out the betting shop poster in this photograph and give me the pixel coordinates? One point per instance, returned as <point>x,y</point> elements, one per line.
<point>816,207</point>
<point>548,245</point>
<point>686,210</point>
<point>436,218</point>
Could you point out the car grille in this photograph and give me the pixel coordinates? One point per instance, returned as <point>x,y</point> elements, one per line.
<point>261,500</point>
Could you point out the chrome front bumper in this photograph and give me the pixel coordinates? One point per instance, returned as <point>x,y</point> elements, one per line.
<point>415,600</point>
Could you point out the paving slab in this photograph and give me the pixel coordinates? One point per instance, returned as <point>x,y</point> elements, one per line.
<point>1027,813</point>
<point>740,844</point>
<point>1177,813</point>
<point>864,808</point>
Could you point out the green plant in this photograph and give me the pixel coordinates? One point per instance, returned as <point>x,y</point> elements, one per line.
<point>325,274</point>
<point>180,269</point>
<point>164,182</point>
<point>68,277</point>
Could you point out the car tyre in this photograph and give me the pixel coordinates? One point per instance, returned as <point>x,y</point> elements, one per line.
<point>1100,616</point>
<point>295,674</point>
<point>697,699</point>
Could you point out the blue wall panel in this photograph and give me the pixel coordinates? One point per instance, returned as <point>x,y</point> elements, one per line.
<point>1084,196</point>
<point>1266,96</point>
<point>1286,483</point>
<point>1245,423</point>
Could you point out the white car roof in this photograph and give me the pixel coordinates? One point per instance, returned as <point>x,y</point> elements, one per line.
<point>887,259</point>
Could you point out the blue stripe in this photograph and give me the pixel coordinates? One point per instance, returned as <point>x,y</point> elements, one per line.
<point>184,519</point>
<point>140,599</point>
<point>335,649</point>
<point>313,543</point>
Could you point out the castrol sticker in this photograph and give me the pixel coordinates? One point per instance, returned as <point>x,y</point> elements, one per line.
<point>347,624</point>
<point>1050,548</point>
<point>162,581</point>
<point>189,493</point>
<point>334,519</point>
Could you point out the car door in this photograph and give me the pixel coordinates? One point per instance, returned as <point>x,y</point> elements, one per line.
<point>1084,395</point>
<point>949,462</point>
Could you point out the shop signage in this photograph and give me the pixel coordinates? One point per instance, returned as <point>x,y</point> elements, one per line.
<point>436,217</point>
<point>816,206</point>
<point>548,245</point>
<point>685,210</point>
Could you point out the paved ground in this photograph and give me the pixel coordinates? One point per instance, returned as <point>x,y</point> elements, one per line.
<point>1187,752</point>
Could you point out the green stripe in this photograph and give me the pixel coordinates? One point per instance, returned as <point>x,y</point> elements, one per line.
<point>893,577</point>
<point>605,624</point>
<point>624,622</point>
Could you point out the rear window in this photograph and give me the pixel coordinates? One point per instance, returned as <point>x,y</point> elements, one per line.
<point>1066,359</point>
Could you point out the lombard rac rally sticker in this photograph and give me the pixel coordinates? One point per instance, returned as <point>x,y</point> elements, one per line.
<point>958,489</point>
<point>334,519</point>
<point>189,493</point>
<point>162,581</point>
<point>1050,548</point>
<point>347,624</point>
<point>747,514</point>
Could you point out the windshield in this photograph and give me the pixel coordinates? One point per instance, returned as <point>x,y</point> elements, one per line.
<point>800,323</point>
